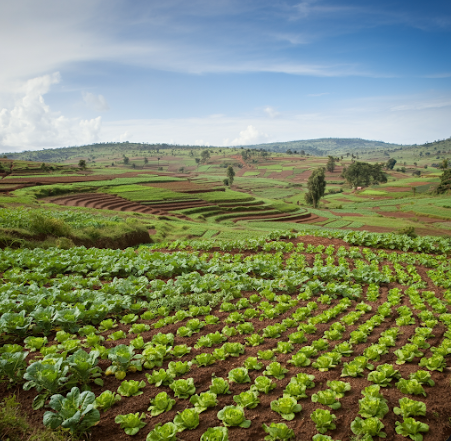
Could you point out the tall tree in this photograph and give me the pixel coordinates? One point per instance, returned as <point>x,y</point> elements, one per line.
<point>205,155</point>
<point>330,164</point>
<point>82,164</point>
<point>364,174</point>
<point>316,185</point>
<point>445,182</point>
<point>230,174</point>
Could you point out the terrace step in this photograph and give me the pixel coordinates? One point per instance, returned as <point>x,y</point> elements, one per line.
<point>110,202</point>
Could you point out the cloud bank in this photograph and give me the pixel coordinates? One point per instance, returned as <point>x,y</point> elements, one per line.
<point>30,123</point>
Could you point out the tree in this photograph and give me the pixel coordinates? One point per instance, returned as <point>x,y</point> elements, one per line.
<point>82,164</point>
<point>363,174</point>
<point>316,185</point>
<point>330,164</point>
<point>444,164</point>
<point>245,155</point>
<point>390,163</point>
<point>197,161</point>
<point>126,160</point>
<point>205,155</point>
<point>146,161</point>
<point>445,182</point>
<point>230,174</point>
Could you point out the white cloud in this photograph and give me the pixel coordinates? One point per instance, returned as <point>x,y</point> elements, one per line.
<point>318,94</point>
<point>248,136</point>
<point>271,112</point>
<point>29,123</point>
<point>95,102</point>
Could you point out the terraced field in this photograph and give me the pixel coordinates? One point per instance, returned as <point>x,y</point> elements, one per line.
<point>102,201</point>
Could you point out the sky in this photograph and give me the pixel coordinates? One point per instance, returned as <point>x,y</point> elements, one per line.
<point>223,72</point>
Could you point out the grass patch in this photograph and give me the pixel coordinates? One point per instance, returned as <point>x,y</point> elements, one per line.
<point>373,192</point>
<point>225,196</point>
<point>14,425</point>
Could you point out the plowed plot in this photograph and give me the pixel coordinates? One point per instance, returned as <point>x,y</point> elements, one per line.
<point>103,201</point>
<point>312,320</point>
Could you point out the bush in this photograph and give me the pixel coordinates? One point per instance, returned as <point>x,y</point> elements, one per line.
<point>408,231</point>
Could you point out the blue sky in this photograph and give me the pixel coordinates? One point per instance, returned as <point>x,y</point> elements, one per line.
<point>223,72</point>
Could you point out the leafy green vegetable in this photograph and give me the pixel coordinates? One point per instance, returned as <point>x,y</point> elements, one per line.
<point>49,375</point>
<point>327,397</point>
<point>296,389</point>
<point>423,377</point>
<point>266,355</point>
<point>131,423</point>
<point>165,432</point>
<point>161,403</point>
<point>12,366</point>
<point>284,347</point>
<point>286,407</point>
<point>247,399</point>
<point>252,363</point>
<point>131,388</point>
<point>324,420</point>
<point>219,386</point>
<point>373,407</point>
<point>203,401</point>
<point>84,369</point>
<point>233,416</point>
<point>368,428</point>
<point>204,359</point>
<point>218,433</point>
<point>180,350</point>
<point>160,377</point>
<point>300,360</point>
<point>339,387</point>
<point>263,384</point>
<point>183,388</point>
<point>410,387</point>
<point>278,432</point>
<point>411,428</point>
<point>75,412</point>
<point>187,419</point>
<point>239,375</point>
<point>254,340</point>
<point>276,370</point>
<point>434,363</point>
<point>123,359</point>
<point>106,400</point>
<point>410,407</point>
<point>35,343</point>
<point>233,349</point>
<point>177,368</point>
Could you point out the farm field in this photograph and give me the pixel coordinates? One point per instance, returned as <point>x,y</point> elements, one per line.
<point>352,329</point>
<point>269,187</point>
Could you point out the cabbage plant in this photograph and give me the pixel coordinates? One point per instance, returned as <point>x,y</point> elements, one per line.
<point>75,412</point>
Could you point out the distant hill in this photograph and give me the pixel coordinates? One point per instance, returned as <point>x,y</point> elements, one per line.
<point>325,146</point>
<point>315,147</point>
